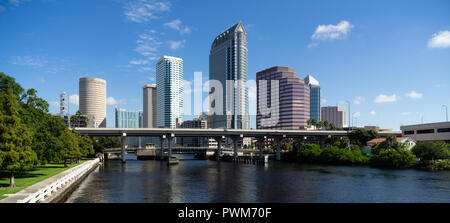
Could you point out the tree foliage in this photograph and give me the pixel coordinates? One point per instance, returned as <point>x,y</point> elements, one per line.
<point>431,150</point>
<point>44,137</point>
<point>15,139</point>
<point>360,137</point>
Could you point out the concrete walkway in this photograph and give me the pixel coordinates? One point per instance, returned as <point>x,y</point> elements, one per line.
<point>37,187</point>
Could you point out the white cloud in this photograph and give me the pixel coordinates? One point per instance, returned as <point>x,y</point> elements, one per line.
<point>311,45</point>
<point>138,62</point>
<point>440,40</point>
<point>141,11</point>
<point>414,95</point>
<point>331,32</point>
<point>373,112</point>
<point>28,61</point>
<point>145,69</point>
<point>382,98</point>
<point>176,25</point>
<point>356,114</point>
<point>53,103</point>
<point>147,44</point>
<point>323,100</point>
<point>406,113</point>
<point>358,100</point>
<point>176,44</point>
<point>112,101</point>
<point>74,99</point>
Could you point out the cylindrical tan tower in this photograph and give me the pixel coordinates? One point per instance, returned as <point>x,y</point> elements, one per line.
<point>93,99</point>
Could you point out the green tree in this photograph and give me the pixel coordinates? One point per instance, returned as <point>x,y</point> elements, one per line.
<point>15,138</point>
<point>326,124</point>
<point>427,151</point>
<point>332,126</point>
<point>313,122</point>
<point>102,143</point>
<point>394,158</point>
<point>71,149</point>
<point>360,137</point>
<point>308,153</point>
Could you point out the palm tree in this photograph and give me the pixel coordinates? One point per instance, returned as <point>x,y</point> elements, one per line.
<point>326,124</point>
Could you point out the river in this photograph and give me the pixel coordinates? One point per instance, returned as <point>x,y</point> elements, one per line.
<point>203,181</point>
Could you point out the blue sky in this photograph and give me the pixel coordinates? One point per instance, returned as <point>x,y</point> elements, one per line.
<point>390,59</point>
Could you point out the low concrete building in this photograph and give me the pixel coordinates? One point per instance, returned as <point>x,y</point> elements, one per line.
<point>410,143</point>
<point>439,131</point>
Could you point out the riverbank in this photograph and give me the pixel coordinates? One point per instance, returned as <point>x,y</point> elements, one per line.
<point>30,177</point>
<point>49,187</point>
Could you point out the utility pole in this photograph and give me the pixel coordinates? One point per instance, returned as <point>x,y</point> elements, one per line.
<point>446,112</point>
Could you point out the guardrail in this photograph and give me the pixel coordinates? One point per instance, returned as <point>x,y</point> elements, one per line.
<point>75,174</point>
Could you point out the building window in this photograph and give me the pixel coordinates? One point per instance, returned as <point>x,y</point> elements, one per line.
<point>425,131</point>
<point>443,130</point>
<point>409,132</point>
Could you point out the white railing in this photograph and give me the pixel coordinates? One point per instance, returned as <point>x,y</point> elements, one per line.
<point>74,174</point>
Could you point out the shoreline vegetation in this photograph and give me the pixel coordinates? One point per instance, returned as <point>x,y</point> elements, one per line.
<point>390,154</point>
<point>35,143</point>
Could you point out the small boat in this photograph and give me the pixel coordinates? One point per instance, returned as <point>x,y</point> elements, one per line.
<point>172,161</point>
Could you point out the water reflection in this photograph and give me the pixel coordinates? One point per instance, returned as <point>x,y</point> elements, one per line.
<point>210,181</point>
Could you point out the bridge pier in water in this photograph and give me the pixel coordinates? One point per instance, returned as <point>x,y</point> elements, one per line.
<point>124,152</point>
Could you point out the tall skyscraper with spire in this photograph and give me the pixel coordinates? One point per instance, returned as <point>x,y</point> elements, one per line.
<point>228,66</point>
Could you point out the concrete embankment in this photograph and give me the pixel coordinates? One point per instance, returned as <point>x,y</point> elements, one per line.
<point>56,188</point>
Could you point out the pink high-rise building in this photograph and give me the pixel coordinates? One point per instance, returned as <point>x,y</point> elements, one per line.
<point>292,100</point>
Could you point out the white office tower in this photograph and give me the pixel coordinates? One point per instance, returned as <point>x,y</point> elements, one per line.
<point>93,99</point>
<point>169,93</point>
<point>62,104</point>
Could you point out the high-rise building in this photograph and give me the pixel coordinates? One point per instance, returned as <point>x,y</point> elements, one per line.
<point>169,93</point>
<point>228,66</point>
<point>92,94</point>
<point>335,115</point>
<point>315,97</point>
<point>128,119</point>
<point>293,98</point>
<point>149,116</point>
<point>63,103</point>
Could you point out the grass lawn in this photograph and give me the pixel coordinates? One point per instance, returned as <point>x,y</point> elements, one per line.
<point>30,177</point>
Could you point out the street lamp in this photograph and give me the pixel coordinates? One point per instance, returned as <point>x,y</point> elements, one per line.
<point>446,112</point>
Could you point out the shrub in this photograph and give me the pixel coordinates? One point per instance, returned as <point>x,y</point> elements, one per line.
<point>394,158</point>
<point>309,153</point>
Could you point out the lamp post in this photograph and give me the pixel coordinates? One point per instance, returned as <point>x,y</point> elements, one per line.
<point>446,112</point>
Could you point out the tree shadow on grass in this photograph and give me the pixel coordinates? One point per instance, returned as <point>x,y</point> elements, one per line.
<point>5,175</point>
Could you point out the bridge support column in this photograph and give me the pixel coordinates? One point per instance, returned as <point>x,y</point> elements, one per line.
<point>278,142</point>
<point>235,140</point>
<point>124,152</point>
<point>219,145</point>
<point>169,139</point>
<point>161,150</point>
<point>261,142</point>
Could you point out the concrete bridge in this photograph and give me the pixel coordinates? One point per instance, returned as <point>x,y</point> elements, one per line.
<point>218,134</point>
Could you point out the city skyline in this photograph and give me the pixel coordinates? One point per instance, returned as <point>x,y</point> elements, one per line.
<point>380,68</point>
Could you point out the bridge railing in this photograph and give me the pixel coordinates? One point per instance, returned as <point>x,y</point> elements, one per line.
<point>74,174</point>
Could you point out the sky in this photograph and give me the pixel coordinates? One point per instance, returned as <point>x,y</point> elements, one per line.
<point>389,59</point>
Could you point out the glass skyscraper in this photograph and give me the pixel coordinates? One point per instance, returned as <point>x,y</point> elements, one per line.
<point>228,67</point>
<point>128,119</point>
<point>315,97</point>
<point>169,93</point>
